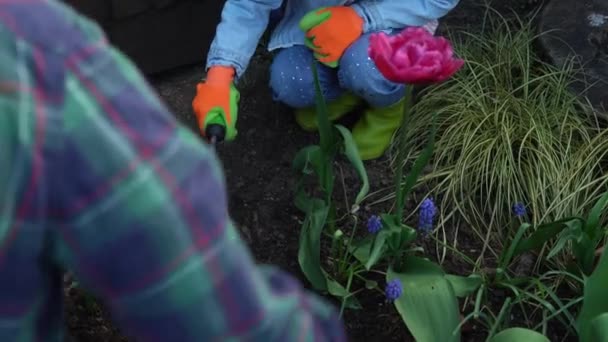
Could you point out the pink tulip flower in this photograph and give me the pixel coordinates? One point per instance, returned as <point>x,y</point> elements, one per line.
<point>413,56</point>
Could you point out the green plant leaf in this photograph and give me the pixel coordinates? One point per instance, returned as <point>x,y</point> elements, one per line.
<point>571,233</point>
<point>325,130</point>
<point>390,222</point>
<point>508,253</point>
<point>412,178</point>
<point>593,220</point>
<point>302,200</point>
<point>406,236</point>
<point>464,286</point>
<point>325,158</point>
<point>519,335</point>
<point>584,251</point>
<point>595,300</point>
<point>428,305</point>
<point>545,233</point>
<point>312,160</point>
<point>371,284</point>
<point>309,252</point>
<point>400,158</point>
<point>352,153</point>
<point>337,290</point>
<point>599,328</point>
<point>399,235</point>
<point>361,249</point>
<point>353,303</point>
<point>307,162</point>
<point>377,249</point>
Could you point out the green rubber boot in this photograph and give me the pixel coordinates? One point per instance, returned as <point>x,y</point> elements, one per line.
<point>374,131</point>
<point>307,117</point>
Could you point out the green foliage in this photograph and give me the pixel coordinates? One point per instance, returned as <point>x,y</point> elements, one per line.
<point>519,335</point>
<point>309,253</point>
<point>579,236</point>
<point>318,160</point>
<point>585,236</point>
<point>464,286</point>
<point>428,304</point>
<point>509,130</point>
<point>592,321</point>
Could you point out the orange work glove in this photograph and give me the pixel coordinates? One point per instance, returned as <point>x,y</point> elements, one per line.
<point>330,31</point>
<point>216,101</point>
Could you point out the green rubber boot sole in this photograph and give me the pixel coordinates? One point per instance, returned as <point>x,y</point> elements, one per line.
<point>374,131</point>
<point>307,117</point>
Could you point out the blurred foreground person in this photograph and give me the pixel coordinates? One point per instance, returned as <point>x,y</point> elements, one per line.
<point>97,177</point>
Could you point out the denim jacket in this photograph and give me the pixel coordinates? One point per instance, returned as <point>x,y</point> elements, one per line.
<point>245,21</point>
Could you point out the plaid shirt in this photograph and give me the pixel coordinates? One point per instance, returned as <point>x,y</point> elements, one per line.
<point>97,177</point>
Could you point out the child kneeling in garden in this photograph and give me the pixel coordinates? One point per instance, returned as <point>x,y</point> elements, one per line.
<point>334,32</point>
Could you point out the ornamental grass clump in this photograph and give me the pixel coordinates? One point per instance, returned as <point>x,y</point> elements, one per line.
<point>509,131</point>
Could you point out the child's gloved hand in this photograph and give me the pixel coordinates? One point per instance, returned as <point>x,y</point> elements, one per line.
<point>216,101</point>
<point>330,31</point>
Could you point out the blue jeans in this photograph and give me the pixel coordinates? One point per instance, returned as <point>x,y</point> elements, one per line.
<point>292,82</point>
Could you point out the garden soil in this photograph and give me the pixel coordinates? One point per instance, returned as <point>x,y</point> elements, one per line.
<point>261,182</point>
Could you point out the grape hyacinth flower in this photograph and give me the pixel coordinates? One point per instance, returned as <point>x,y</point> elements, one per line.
<point>426,215</point>
<point>393,290</point>
<point>519,209</point>
<point>374,224</point>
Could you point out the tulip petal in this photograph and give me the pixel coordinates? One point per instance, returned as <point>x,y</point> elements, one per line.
<point>401,59</point>
<point>413,56</point>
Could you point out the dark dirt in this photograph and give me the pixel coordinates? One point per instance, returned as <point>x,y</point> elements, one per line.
<point>261,182</point>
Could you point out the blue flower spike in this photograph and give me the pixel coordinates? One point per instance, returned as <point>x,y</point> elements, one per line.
<point>519,210</point>
<point>374,224</point>
<point>393,290</point>
<point>426,217</point>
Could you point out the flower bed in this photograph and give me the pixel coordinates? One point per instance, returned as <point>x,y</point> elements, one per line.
<point>262,205</point>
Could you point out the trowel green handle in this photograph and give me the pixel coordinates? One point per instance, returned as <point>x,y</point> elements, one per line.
<point>218,126</point>
<point>215,126</point>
